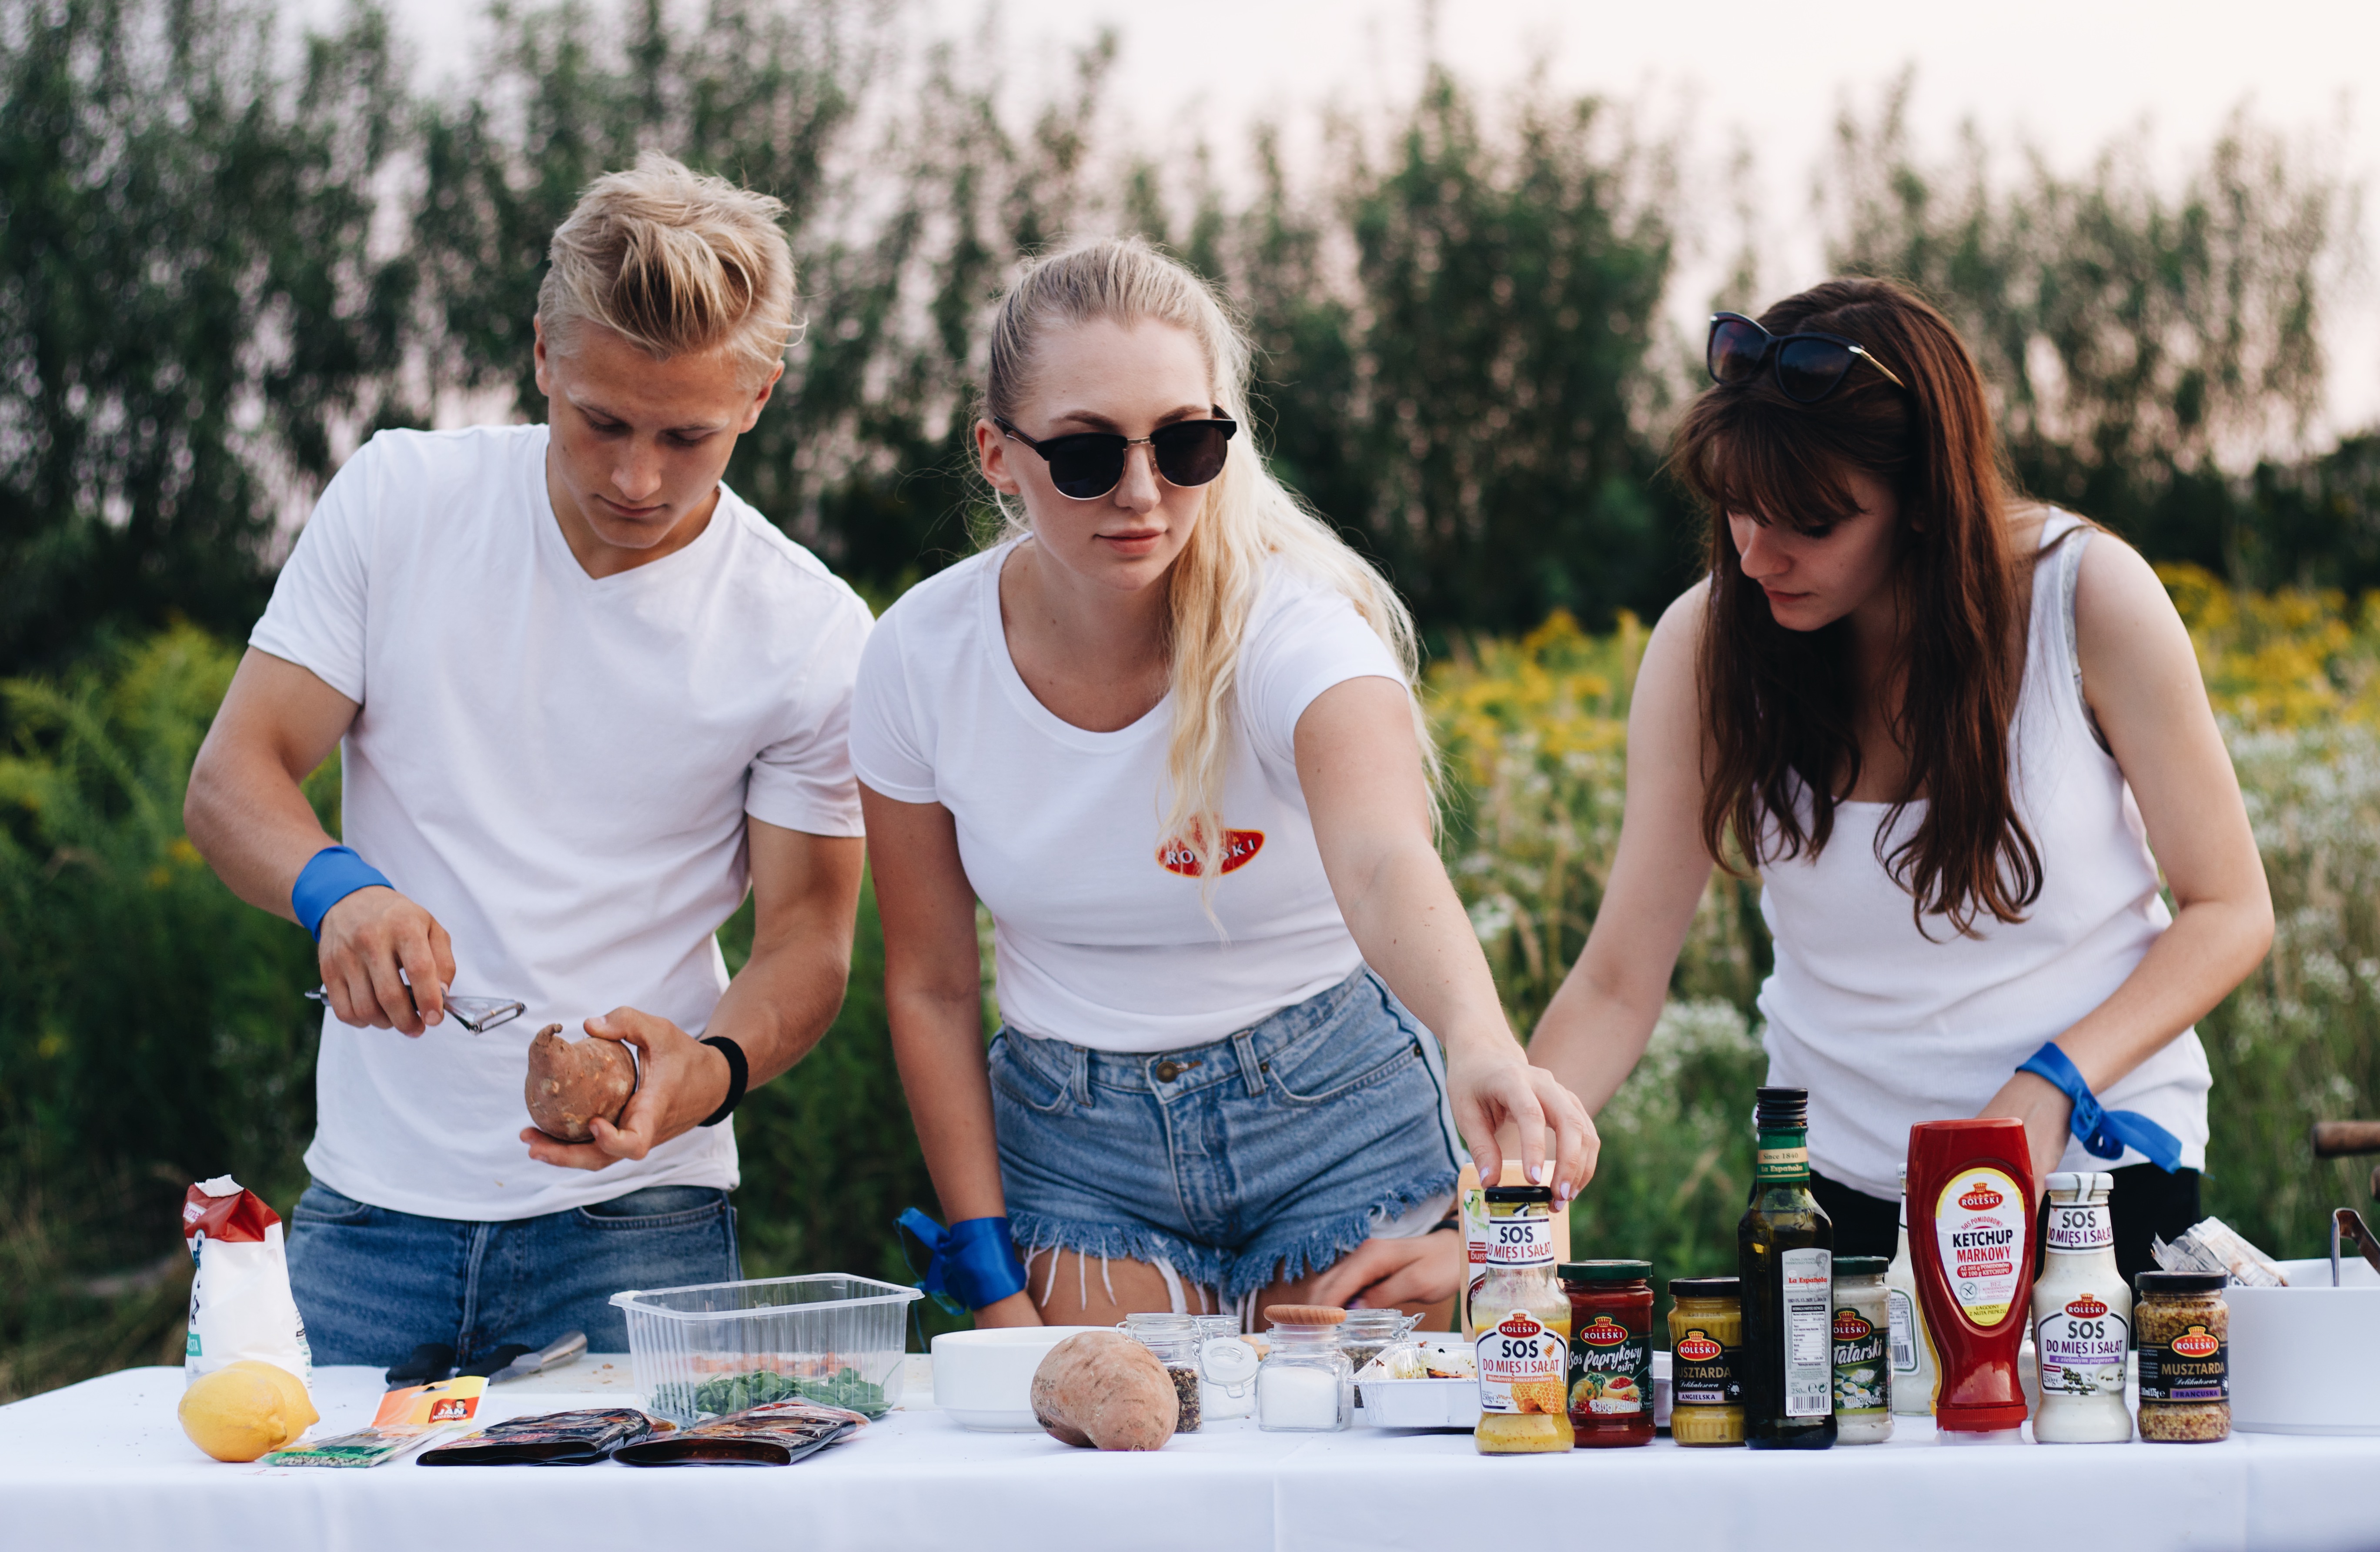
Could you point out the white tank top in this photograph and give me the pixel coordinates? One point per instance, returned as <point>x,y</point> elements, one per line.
<point>1887,1029</point>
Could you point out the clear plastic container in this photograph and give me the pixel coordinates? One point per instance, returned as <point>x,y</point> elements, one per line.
<point>718,1347</point>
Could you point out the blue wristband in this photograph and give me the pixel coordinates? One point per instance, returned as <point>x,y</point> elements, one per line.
<point>973,1259</point>
<point>330,876</point>
<point>2105,1134</point>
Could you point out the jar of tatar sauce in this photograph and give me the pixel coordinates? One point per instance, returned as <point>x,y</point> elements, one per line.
<point>1705,1342</point>
<point>1611,1351</point>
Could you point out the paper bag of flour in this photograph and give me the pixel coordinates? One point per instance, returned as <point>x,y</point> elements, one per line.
<point>241,1305</point>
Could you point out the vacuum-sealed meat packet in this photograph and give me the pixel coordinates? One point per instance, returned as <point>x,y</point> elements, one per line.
<point>552,1438</point>
<point>775,1435</point>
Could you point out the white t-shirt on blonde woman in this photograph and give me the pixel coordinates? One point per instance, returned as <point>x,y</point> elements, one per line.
<point>1098,940</point>
<point>557,767</point>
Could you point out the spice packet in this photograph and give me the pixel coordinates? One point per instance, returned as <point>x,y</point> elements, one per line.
<point>439,1403</point>
<point>2213,1245</point>
<point>777,1434</point>
<point>365,1447</point>
<point>553,1438</point>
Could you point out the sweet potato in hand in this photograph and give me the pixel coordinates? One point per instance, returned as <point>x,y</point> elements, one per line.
<point>1103,1390</point>
<point>572,1082</point>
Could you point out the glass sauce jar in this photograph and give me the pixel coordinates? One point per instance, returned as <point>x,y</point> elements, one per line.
<point>1305,1384</point>
<point>1706,1343</point>
<point>2184,1330</point>
<point>1610,1373</point>
<point>1523,1329</point>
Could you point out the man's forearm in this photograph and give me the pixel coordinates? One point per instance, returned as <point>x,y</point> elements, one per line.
<point>781,1003</point>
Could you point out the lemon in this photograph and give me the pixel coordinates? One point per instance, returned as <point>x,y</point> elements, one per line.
<point>245,1409</point>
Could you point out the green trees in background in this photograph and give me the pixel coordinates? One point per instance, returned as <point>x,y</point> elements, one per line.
<point>227,256</point>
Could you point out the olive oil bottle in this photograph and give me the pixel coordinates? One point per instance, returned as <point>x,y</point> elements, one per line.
<point>1785,1250</point>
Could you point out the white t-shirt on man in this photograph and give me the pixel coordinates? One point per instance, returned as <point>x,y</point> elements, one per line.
<point>558,768</point>
<point>1098,931</point>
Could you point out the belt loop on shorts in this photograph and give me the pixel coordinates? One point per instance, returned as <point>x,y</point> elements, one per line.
<point>1079,1080</point>
<point>1243,1046</point>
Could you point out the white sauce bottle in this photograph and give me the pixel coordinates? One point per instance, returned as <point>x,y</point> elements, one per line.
<point>1911,1355</point>
<point>2082,1318</point>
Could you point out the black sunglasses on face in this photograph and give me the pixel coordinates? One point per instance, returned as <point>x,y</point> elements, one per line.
<point>1088,465</point>
<point>1808,367</point>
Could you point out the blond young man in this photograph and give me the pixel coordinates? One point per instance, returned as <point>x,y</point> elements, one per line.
<point>586,696</point>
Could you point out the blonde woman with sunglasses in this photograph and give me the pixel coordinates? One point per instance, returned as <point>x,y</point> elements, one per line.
<point>1165,730</point>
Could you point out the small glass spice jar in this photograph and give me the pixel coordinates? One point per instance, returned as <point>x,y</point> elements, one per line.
<point>1305,1384</point>
<point>1611,1370</point>
<point>1174,1338</point>
<point>2184,1329</point>
<point>1706,1343</point>
<point>1227,1368</point>
<point>1369,1332</point>
<point>1863,1334</point>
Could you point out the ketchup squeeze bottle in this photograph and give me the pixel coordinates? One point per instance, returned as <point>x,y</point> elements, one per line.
<point>1971,1211</point>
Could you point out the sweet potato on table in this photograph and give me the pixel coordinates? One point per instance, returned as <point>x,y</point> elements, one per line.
<point>572,1082</point>
<point>1103,1390</point>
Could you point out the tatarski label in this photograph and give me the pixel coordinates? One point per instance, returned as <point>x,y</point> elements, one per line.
<point>2078,1228</point>
<point>1903,1331</point>
<point>1809,1332</point>
<point>1979,1228</point>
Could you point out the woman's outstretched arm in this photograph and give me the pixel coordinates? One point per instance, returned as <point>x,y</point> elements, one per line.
<point>1594,1030</point>
<point>1361,771</point>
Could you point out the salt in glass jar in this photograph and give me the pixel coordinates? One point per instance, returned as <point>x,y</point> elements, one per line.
<point>1305,1384</point>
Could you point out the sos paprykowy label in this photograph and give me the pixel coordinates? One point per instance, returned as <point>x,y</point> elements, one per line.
<point>1979,1221</point>
<point>1610,1369</point>
<point>1521,1363</point>
<point>2193,1366</point>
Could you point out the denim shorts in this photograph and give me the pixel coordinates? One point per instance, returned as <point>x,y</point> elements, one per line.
<point>1263,1156</point>
<point>373,1283</point>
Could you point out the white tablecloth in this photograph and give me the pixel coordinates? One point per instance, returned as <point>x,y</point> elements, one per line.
<point>103,1465</point>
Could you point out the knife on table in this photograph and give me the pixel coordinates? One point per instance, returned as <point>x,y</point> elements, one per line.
<point>553,1357</point>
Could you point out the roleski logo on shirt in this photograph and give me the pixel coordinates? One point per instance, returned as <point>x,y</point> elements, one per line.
<point>1240,848</point>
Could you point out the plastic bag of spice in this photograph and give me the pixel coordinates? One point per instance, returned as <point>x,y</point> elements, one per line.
<point>553,1438</point>
<point>775,1435</point>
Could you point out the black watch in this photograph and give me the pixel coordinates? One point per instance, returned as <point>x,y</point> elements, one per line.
<point>739,1072</point>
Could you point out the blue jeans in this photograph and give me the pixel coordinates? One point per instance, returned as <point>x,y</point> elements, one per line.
<point>1266,1155</point>
<point>372,1284</point>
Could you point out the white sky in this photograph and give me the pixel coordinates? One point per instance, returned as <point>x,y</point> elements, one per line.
<point>2067,75</point>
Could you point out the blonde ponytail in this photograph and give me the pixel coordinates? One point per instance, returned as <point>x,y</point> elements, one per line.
<point>1248,517</point>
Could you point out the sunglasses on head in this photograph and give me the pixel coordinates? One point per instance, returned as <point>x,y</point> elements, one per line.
<point>1088,465</point>
<point>1808,367</point>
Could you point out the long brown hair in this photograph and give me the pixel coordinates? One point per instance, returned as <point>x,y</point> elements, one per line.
<point>1780,707</point>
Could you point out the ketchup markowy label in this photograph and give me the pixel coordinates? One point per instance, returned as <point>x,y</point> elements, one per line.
<point>1979,1227</point>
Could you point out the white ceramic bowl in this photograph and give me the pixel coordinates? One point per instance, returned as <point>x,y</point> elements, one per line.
<point>984,1379</point>
<point>2305,1359</point>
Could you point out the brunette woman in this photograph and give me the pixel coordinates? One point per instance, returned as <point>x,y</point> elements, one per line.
<point>1958,735</point>
<point>1165,732</point>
